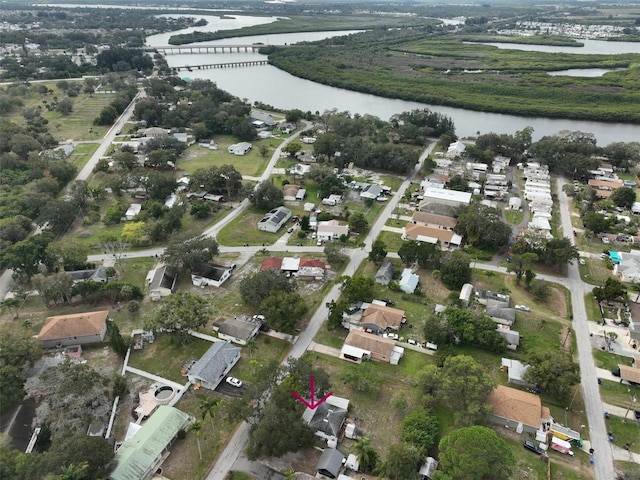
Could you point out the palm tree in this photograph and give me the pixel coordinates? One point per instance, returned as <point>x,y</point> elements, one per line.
<point>74,472</point>
<point>208,406</point>
<point>367,456</point>
<point>251,346</point>
<point>196,427</point>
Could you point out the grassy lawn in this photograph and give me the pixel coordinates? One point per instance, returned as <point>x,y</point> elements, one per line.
<point>82,153</point>
<point>334,338</point>
<point>595,271</point>
<point>627,469</point>
<point>592,308</point>
<point>609,361</point>
<point>250,164</point>
<point>514,217</point>
<point>264,350</point>
<point>527,464</point>
<point>244,229</point>
<point>625,432</point>
<point>392,240</point>
<point>166,356</point>
<point>616,393</point>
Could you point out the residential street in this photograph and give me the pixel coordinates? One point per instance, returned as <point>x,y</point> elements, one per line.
<point>240,439</point>
<point>603,466</point>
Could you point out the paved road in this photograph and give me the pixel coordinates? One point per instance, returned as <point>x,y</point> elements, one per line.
<point>239,441</point>
<point>603,466</point>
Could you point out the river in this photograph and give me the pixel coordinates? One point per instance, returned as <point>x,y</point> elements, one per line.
<point>275,87</point>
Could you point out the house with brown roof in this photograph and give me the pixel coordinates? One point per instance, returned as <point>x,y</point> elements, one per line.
<point>433,220</point>
<point>522,411</point>
<point>379,318</point>
<point>448,238</point>
<point>74,329</point>
<point>604,188</point>
<point>360,346</point>
<point>630,374</point>
<point>290,192</point>
<point>271,263</point>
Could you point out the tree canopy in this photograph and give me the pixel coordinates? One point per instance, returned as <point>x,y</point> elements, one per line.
<point>267,196</point>
<point>553,371</point>
<point>186,253</point>
<point>474,453</point>
<point>255,288</point>
<point>482,227</point>
<point>179,313</point>
<point>283,310</point>
<point>455,271</point>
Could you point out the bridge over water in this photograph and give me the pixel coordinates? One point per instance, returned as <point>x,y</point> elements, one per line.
<point>203,48</point>
<point>222,65</point>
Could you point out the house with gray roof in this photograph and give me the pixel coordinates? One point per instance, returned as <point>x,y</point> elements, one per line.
<point>384,275</point>
<point>274,220</point>
<point>330,463</point>
<point>90,275</point>
<point>214,365</point>
<point>371,192</point>
<point>327,419</point>
<point>238,329</point>
<point>500,313</point>
<point>139,457</point>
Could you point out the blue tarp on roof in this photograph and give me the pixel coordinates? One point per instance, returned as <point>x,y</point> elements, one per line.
<point>615,257</point>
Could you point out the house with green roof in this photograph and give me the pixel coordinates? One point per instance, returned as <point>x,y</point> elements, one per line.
<point>139,457</point>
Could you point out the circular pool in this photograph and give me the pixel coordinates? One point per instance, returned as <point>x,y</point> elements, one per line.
<point>163,394</point>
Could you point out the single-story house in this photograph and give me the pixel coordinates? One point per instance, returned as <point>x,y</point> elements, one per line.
<point>380,318</point>
<point>384,275</point>
<point>500,313</point>
<point>153,132</point>
<point>90,275</point>
<point>139,457</point>
<point>330,463</point>
<point>484,296</point>
<point>434,220</point>
<point>74,329</point>
<point>238,329</point>
<point>265,134</point>
<point>327,419</point>
<point>331,230</point>
<point>511,336</point>
<point>332,200</point>
<point>290,192</point>
<point>519,410</point>
<point>408,281</point>
<point>628,269</point>
<point>241,148</point>
<point>214,365</point>
<point>420,233</point>
<point>444,196</point>
<point>162,281</point>
<point>274,220</point>
<point>264,118</point>
<point>371,192</point>
<point>311,269</point>
<point>271,263</point>
<point>133,210</point>
<point>455,149</point>
<point>360,346</point>
<point>209,275</point>
<point>515,372</point>
<point>290,264</point>
<point>207,143</point>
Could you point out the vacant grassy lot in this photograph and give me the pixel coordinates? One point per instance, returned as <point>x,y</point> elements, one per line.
<point>166,356</point>
<point>609,361</point>
<point>392,240</point>
<point>82,153</point>
<point>616,393</point>
<point>625,432</point>
<point>513,216</point>
<point>244,229</point>
<point>261,353</point>
<point>252,164</point>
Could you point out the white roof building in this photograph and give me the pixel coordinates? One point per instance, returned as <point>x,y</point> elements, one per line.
<point>408,281</point>
<point>331,230</point>
<point>133,210</point>
<point>455,149</point>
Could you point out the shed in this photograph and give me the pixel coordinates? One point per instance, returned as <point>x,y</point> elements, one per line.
<point>428,468</point>
<point>466,293</point>
<point>330,463</point>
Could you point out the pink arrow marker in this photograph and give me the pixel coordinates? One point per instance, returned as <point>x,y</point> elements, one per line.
<point>312,403</point>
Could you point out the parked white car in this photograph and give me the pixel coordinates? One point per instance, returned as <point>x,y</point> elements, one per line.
<point>234,381</point>
<point>522,308</point>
